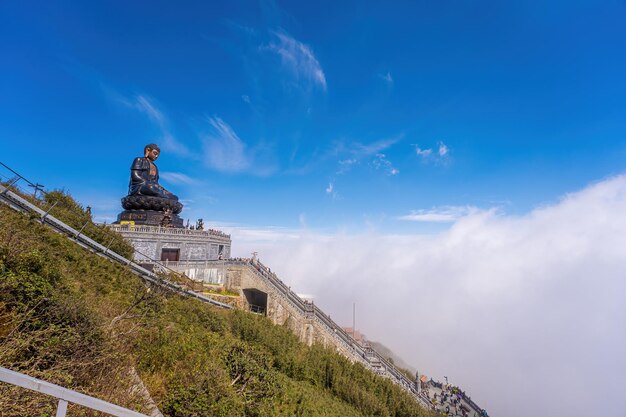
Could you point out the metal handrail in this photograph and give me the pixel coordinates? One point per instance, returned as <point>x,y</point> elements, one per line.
<point>64,395</point>
<point>166,230</point>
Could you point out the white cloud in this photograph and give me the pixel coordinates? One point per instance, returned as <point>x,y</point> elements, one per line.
<point>331,191</point>
<point>425,153</point>
<point>443,149</point>
<point>298,58</point>
<point>147,106</point>
<point>250,236</point>
<point>178,178</point>
<point>345,165</point>
<point>443,214</point>
<point>224,150</point>
<point>373,148</point>
<point>247,30</point>
<point>381,162</point>
<point>246,98</point>
<point>387,78</point>
<point>372,152</point>
<point>302,220</point>
<point>526,313</point>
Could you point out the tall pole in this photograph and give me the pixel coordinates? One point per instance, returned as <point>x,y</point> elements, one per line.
<point>354,321</point>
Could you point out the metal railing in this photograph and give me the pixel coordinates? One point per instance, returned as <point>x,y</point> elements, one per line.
<point>64,395</point>
<point>167,230</point>
<point>257,309</point>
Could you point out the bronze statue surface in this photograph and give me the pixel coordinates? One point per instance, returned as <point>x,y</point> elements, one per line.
<point>144,175</point>
<point>147,201</point>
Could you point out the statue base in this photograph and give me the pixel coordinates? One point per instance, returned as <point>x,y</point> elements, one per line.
<point>151,203</point>
<point>148,218</point>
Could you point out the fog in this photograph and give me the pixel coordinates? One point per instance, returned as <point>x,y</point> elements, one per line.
<point>527,313</point>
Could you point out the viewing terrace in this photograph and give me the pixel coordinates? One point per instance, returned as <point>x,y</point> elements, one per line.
<point>166,230</point>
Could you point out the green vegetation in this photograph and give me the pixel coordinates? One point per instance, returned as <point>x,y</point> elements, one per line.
<point>76,319</point>
<point>66,209</point>
<point>220,291</point>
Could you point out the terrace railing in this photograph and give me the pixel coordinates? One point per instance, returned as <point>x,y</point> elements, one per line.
<point>64,395</point>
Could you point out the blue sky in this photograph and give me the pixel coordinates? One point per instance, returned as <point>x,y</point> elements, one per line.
<point>459,165</point>
<point>349,116</point>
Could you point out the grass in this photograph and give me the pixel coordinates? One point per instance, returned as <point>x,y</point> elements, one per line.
<point>76,319</point>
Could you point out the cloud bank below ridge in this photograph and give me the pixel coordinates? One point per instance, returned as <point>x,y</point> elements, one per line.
<point>525,312</point>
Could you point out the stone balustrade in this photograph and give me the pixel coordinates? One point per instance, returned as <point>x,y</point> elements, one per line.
<point>166,230</point>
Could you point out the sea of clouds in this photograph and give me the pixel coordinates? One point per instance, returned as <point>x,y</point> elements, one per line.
<point>526,313</point>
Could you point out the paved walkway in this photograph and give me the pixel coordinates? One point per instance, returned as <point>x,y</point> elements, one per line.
<point>449,401</point>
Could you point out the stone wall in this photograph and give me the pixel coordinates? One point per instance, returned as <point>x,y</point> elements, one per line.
<point>193,245</point>
<point>301,319</point>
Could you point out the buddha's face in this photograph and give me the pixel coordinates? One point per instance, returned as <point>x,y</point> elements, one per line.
<point>152,154</point>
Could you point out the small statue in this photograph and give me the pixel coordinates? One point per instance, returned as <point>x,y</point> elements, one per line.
<point>144,175</point>
<point>199,225</point>
<point>167,217</point>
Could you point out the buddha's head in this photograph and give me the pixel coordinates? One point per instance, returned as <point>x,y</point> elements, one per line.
<point>151,151</point>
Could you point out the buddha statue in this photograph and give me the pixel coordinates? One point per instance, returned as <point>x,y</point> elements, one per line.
<point>147,201</point>
<point>144,175</point>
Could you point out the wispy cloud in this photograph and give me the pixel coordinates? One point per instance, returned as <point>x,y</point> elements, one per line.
<point>178,178</point>
<point>258,235</point>
<point>428,154</point>
<point>373,148</point>
<point>443,149</point>
<point>387,78</point>
<point>444,214</point>
<point>381,162</point>
<point>302,220</point>
<point>368,153</point>
<point>331,190</point>
<point>424,153</point>
<point>298,58</point>
<point>346,165</point>
<point>247,30</point>
<point>224,150</point>
<point>147,106</point>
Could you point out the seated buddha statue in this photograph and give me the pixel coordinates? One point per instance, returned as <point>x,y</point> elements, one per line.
<point>144,175</point>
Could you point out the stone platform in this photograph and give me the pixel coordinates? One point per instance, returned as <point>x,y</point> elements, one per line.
<point>178,248</point>
<point>150,211</point>
<point>148,218</point>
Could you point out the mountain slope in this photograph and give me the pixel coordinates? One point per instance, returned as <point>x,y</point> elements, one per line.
<point>73,318</point>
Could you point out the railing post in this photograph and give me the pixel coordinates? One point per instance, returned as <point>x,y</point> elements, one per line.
<point>12,183</point>
<point>43,218</point>
<point>81,229</point>
<point>109,245</point>
<point>61,408</point>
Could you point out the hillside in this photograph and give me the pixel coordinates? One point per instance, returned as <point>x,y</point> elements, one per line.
<point>76,319</point>
<point>393,358</point>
